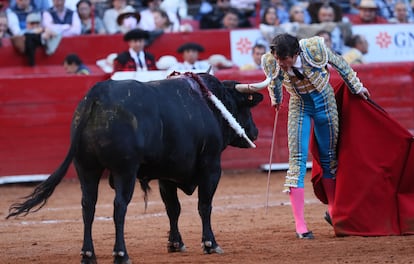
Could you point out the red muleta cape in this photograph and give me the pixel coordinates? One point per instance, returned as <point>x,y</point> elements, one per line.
<point>375,177</point>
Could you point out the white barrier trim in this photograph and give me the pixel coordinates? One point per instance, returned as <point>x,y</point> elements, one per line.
<point>23,178</point>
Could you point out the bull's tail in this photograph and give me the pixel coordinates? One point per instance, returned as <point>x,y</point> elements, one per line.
<point>146,189</point>
<point>38,198</point>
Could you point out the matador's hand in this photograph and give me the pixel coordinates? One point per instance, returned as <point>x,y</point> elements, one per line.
<point>364,93</point>
<point>276,106</point>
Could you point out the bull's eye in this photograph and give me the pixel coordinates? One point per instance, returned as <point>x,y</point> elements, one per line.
<point>250,97</point>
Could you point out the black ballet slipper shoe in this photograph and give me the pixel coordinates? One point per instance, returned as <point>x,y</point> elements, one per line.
<point>307,235</point>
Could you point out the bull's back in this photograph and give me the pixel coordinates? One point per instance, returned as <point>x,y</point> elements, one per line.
<point>166,122</point>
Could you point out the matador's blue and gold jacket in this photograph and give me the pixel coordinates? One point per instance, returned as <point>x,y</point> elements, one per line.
<point>315,58</point>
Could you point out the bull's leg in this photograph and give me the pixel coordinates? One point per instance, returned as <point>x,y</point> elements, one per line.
<point>89,180</point>
<point>168,191</point>
<point>124,184</point>
<point>206,190</point>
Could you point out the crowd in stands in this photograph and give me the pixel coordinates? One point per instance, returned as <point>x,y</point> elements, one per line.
<point>301,18</point>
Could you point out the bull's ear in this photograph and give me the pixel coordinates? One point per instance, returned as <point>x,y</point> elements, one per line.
<point>229,84</point>
<point>247,99</point>
<point>253,99</point>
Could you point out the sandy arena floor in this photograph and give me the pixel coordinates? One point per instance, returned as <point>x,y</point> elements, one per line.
<point>247,232</point>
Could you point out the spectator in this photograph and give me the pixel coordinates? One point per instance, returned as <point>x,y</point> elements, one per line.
<point>326,35</point>
<point>162,21</point>
<point>359,47</point>
<point>110,15</point>
<point>269,24</point>
<point>71,4</point>
<point>341,30</point>
<point>401,14</point>
<point>190,52</point>
<point>12,20</point>
<point>282,9</point>
<point>230,19</point>
<point>246,7</point>
<point>39,5</point>
<point>297,14</point>
<point>62,20</point>
<point>212,14</point>
<point>386,8</point>
<point>258,51</point>
<point>36,36</point>
<point>214,18</point>
<point>179,7</point>
<point>89,22</point>
<point>367,14</point>
<point>100,6</point>
<point>296,19</point>
<point>74,65</point>
<point>314,9</point>
<point>4,28</point>
<point>348,6</point>
<point>135,58</point>
<point>128,19</point>
<point>22,8</point>
<point>147,18</point>
<point>206,6</point>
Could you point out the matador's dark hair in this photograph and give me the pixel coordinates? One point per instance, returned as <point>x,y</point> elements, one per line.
<point>285,45</point>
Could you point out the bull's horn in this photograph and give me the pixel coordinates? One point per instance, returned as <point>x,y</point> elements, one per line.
<point>252,87</point>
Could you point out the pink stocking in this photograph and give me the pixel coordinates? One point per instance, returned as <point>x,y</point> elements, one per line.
<point>329,186</point>
<point>297,199</point>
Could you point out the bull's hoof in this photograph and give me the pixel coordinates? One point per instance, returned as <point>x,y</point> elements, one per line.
<point>121,258</point>
<point>88,257</point>
<point>175,247</point>
<point>209,248</point>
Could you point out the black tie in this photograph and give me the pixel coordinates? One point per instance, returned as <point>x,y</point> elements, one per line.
<point>140,63</point>
<point>297,73</point>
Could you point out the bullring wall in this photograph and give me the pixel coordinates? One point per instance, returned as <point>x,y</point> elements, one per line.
<point>37,103</point>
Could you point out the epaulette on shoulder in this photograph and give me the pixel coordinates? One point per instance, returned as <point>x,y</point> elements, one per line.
<point>314,51</point>
<point>269,65</point>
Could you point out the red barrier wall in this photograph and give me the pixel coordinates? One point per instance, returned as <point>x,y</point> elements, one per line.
<point>37,102</point>
<point>36,112</point>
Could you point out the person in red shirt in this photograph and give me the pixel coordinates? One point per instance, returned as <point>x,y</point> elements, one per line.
<point>368,14</point>
<point>135,58</point>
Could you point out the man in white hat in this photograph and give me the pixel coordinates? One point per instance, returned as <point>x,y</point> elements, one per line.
<point>368,10</point>
<point>110,17</point>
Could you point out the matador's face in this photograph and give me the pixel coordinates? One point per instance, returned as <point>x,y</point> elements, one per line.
<point>286,62</point>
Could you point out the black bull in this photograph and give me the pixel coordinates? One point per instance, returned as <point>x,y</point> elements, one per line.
<point>167,130</point>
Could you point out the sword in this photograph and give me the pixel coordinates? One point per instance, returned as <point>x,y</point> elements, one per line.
<point>270,158</point>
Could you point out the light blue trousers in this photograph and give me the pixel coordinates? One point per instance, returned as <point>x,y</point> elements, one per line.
<point>319,107</point>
